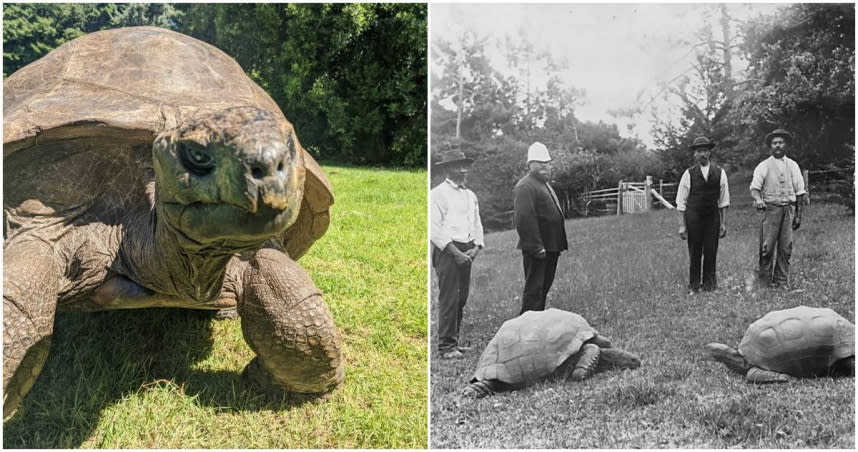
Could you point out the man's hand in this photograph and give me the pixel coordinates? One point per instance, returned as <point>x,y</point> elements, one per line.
<point>759,205</point>
<point>472,253</point>
<point>796,222</point>
<point>461,258</point>
<point>540,254</point>
<point>458,255</point>
<point>722,231</point>
<point>683,233</point>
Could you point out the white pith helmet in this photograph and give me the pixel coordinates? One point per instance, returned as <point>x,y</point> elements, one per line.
<point>537,152</point>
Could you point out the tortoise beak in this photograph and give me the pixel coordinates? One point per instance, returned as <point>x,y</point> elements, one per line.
<point>273,181</point>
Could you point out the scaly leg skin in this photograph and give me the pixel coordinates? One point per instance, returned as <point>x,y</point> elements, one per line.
<point>580,365</point>
<point>762,376</point>
<point>844,368</point>
<point>478,389</point>
<point>31,278</point>
<point>226,302</point>
<point>587,362</point>
<point>285,321</point>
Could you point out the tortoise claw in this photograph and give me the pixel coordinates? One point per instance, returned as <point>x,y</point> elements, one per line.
<point>264,382</point>
<point>761,376</point>
<point>226,314</point>
<point>477,390</point>
<point>587,362</point>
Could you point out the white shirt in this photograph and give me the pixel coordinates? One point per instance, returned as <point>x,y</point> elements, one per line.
<point>685,187</point>
<point>778,180</point>
<point>454,215</point>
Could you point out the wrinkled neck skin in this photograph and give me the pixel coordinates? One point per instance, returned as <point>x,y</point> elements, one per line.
<point>163,259</point>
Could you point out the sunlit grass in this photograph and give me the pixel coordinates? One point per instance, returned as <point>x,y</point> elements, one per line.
<point>627,275</point>
<point>159,378</point>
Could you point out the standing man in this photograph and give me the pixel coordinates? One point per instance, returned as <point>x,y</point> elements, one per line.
<point>541,231</point>
<point>702,199</point>
<point>778,191</point>
<point>457,237</point>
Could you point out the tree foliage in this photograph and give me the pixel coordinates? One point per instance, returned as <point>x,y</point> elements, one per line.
<point>493,116</point>
<point>706,94</point>
<point>802,78</point>
<point>351,77</point>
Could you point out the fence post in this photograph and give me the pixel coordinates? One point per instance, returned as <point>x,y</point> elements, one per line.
<point>805,174</point>
<point>648,194</point>
<point>620,198</point>
<point>586,202</point>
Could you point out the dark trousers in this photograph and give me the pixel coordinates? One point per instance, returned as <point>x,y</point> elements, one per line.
<point>454,282</point>
<point>776,235</point>
<point>538,278</point>
<point>703,229</point>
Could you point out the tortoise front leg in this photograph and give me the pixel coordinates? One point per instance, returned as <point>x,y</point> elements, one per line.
<point>31,279</point>
<point>478,389</point>
<point>762,376</point>
<point>285,321</point>
<point>844,367</point>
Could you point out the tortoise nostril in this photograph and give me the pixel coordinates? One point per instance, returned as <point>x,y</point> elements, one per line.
<point>257,172</point>
<point>280,167</point>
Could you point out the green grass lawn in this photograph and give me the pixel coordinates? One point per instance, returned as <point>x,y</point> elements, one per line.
<point>161,378</point>
<point>627,275</point>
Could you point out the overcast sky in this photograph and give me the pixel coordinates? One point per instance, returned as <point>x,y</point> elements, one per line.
<point>617,53</point>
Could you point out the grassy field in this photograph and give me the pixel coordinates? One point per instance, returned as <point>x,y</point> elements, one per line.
<point>159,378</point>
<point>627,275</point>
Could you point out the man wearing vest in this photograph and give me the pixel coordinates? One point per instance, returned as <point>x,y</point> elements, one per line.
<point>456,234</point>
<point>778,191</point>
<point>540,226</point>
<point>702,199</point>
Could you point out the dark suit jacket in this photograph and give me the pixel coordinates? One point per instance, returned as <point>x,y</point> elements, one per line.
<point>538,219</point>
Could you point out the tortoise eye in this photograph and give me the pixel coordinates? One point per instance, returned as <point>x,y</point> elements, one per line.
<point>195,159</point>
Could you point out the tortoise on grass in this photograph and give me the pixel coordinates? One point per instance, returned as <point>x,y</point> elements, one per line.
<point>143,168</point>
<point>798,342</point>
<point>540,344</point>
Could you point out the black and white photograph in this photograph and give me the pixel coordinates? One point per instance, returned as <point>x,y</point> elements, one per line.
<point>642,225</point>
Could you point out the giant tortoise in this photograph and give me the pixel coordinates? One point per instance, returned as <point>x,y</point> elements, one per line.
<point>540,344</point>
<point>143,168</point>
<point>798,342</point>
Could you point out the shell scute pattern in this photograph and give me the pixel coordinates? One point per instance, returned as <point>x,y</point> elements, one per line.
<point>801,341</point>
<point>532,346</point>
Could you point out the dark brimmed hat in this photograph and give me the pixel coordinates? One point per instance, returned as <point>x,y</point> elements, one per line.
<point>778,133</point>
<point>701,142</point>
<point>454,156</point>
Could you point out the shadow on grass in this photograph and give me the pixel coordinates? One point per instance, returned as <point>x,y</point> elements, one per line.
<point>97,359</point>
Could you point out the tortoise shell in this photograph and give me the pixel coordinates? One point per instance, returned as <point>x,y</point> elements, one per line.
<point>533,345</point>
<point>802,341</point>
<point>104,97</point>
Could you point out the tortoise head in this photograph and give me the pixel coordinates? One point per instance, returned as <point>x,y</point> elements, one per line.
<point>231,179</point>
<point>617,358</point>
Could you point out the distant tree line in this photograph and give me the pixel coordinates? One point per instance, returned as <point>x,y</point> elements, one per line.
<point>351,77</point>
<point>800,77</point>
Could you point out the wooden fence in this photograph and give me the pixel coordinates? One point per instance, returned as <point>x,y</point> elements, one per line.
<point>831,185</point>
<point>628,197</point>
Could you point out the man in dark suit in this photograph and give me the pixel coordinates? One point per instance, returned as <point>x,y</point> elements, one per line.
<point>540,227</point>
<point>702,199</point>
